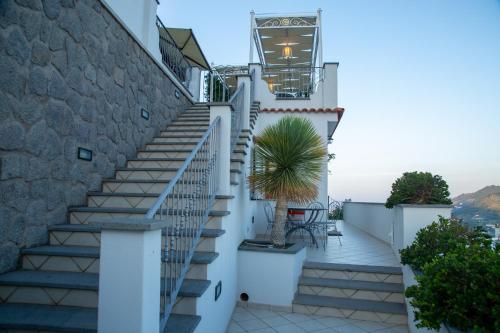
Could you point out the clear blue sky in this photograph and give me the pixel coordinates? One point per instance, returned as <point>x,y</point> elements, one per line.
<point>420,81</point>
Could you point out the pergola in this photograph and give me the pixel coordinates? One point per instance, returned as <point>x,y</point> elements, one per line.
<point>290,50</point>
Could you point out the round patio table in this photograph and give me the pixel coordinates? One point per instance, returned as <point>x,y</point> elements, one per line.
<point>306,225</point>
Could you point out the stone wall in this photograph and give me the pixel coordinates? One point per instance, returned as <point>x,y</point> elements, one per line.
<point>70,76</point>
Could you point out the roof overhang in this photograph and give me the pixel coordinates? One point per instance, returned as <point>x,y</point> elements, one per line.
<point>186,42</point>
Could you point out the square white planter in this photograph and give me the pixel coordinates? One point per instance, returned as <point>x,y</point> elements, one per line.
<point>409,219</point>
<point>270,276</point>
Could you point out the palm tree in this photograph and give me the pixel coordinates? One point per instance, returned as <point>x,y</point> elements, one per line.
<point>288,159</point>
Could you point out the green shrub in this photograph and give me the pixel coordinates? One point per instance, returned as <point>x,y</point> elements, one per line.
<point>438,239</point>
<point>460,288</point>
<point>419,188</point>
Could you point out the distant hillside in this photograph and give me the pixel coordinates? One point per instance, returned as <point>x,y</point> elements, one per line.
<point>471,197</point>
<point>481,207</point>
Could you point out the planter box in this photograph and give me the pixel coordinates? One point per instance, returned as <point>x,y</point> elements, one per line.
<point>269,276</point>
<point>409,219</point>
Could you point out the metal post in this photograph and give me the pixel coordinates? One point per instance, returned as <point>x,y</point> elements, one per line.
<point>320,39</point>
<point>252,25</point>
<point>211,86</point>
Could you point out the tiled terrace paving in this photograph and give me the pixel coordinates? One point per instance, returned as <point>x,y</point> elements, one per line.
<point>257,320</point>
<point>358,248</point>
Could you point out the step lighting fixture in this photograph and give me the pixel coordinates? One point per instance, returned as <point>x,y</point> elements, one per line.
<point>84,154</point>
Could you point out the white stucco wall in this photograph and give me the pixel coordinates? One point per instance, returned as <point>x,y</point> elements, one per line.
<point>409,219</point>
<point>371,217</point>
<point>269,278</point>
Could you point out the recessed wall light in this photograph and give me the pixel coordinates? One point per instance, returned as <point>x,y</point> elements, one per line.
<point>144,114</point>
<point>177,94</point>
<point>84,154</point>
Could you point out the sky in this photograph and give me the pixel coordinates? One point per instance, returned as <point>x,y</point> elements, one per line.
<point>419,80</point>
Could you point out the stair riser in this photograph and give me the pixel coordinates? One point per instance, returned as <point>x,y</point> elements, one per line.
<point>159,164</point>
<point>152,188</point>
<point>75,297</point>
<point>93,239</point>
<point>173,154</point>
<point>353,293</point>
<point>86,217</point>
<point>185,144</point>
<point>192,122</point>
<point>144,202</point>
<point>49,296</point>
<point>350,314</point>
<point>358,276</point>
<point>176,128</point>
<point>186,137</point>
<point>89,265</point>
<point>145,175</point>
<point>167,164</point>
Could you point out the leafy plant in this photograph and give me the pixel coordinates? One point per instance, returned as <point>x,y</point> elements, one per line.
<point>460,288</point>
<point>437,239</point>
<point>288,157</point>
<point>419,188</point>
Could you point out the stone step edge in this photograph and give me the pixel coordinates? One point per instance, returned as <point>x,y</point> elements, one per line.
<point>75,319</point>
<point>199,257</point>
<point>84,281</point>
<point>352,284</point>
<point>353,268</point>
<point>350,303</point>
<point>86,209</point>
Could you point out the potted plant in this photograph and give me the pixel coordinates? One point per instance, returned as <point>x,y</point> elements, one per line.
<point>288,159</point>
<point>457,281</point>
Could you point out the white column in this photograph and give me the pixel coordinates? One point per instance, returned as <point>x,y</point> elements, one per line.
<point>252,25</point>
<point>245,115</point>
<point>224,150</point>
<point>129,277</point>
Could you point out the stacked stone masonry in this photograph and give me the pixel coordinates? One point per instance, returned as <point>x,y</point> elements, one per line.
<point>70,76</point>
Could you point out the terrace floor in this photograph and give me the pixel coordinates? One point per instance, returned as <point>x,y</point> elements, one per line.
<point>358,248</point>
<point>256,320</point>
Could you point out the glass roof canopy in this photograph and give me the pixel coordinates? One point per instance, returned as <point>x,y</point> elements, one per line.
<point>299,32</point>
<point>290,51</point>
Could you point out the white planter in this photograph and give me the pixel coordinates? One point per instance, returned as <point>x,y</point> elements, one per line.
<point>409,219</point>
<point>270,276</point>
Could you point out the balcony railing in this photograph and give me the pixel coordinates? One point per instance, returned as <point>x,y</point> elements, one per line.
<point>171,56</point>
<point>237,102</point>
<point>292,82</point>
<point>215,87</point>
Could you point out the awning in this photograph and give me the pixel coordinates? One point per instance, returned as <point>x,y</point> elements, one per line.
<point>186,42</point>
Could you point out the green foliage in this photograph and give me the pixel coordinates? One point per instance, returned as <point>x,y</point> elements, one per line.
<point>419,188</point>
<point>218,94</point>
<point>288,160</point>
<point>438,239</point>
<point>461,289</point>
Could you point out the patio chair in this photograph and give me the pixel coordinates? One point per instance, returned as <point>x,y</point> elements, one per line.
<point>335,214</point>
<point>269,211</point>
<point>317,221</point>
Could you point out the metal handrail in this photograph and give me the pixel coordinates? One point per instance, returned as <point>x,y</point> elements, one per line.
<point>237,102</point>
<point>216,88</point>
<point>185,204</point>
<point>171,56</point>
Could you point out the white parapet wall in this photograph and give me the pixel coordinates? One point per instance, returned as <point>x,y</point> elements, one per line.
<point>325,95</point>
<point>371,217</point>
<point>409,219</point>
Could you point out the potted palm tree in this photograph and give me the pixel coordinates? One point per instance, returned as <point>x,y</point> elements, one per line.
<point>288,160</point>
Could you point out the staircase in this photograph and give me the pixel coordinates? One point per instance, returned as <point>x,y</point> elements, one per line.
<point>360,292</point>
<point>56,288</point>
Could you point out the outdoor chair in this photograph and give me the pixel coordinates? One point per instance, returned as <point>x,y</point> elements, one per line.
<point>318,222</point>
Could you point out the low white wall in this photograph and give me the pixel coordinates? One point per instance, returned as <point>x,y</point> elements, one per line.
<point>371,217</point>
<point>409,219</point>
<point>270,278</point>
